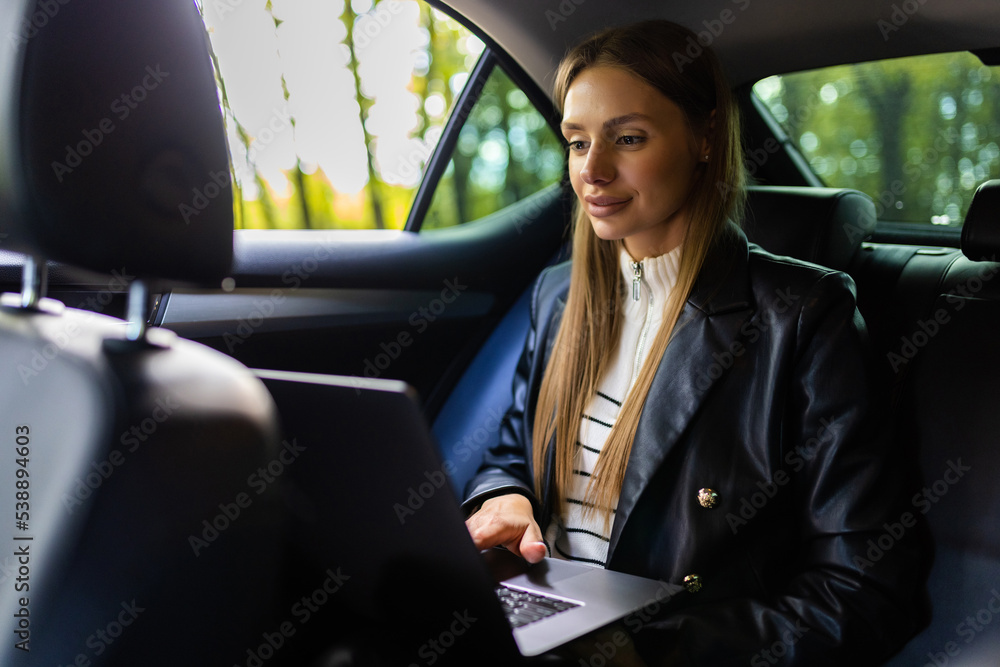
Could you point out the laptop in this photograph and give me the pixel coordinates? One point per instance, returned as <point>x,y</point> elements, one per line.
<point>374,507</point>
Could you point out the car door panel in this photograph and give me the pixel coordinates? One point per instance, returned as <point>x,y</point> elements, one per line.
<point>388,304</point>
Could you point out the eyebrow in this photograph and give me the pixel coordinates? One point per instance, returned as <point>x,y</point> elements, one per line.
<point>617,121</point>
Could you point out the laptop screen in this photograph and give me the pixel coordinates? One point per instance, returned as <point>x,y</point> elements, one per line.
<point>370,502</point>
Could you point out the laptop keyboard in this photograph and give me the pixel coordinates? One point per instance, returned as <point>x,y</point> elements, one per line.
<point>522,607</point>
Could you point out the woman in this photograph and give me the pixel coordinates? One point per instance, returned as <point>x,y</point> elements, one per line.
<point>689,407</point>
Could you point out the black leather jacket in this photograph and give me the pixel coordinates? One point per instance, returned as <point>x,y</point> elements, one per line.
<point>812,553</point>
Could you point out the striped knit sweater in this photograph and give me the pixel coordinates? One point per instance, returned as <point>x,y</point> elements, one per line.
<point>573,536</point>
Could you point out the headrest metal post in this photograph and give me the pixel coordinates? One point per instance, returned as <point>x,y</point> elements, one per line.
<point>34,281</point>
<point>138,300</point>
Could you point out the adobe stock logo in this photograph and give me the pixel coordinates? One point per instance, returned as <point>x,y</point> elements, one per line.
<point>122,107</point>
<point>435,647</point>
<point>899,17</point>
<point>200,199</point>
<point>703,39</point>
<point>30,25</point>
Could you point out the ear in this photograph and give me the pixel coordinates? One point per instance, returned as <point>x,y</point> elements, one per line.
<point>706,139</point>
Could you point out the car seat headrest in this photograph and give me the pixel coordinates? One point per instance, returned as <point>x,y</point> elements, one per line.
<point>821,225</point>
<point>115,153</point>
<point>981,231</point>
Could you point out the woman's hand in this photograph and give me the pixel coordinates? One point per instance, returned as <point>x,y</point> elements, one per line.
<point>508,521</point>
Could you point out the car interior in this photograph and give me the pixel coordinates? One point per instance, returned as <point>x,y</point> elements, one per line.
<point>167,514</point>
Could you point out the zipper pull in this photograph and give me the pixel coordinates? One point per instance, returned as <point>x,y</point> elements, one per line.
<point>636,278</point>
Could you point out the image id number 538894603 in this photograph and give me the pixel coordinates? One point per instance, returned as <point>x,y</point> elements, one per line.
<point>22,540</point>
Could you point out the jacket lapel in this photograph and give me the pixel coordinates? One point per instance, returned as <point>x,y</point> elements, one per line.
<point>717,308</point>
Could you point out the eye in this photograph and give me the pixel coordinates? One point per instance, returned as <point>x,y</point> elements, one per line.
<point>630,140</point>
<point>577,145</point>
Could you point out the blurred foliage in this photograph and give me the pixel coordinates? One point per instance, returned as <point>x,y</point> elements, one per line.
<point>918,134</point>
<point>505,152</point>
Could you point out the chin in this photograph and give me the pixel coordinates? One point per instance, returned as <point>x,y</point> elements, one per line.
<point>605,231</point>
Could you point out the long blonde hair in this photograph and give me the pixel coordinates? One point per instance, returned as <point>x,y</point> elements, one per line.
<point>655,52</point>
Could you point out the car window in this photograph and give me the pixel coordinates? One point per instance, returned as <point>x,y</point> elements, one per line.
<point>918,134</point>
<point>333,108</point>
<point>505,151</point>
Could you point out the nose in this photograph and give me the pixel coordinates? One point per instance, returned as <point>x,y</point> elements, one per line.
<point>598,166</point>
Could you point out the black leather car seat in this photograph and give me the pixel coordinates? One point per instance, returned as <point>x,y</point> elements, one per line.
<point>141,539</point>
<point>950,411</point>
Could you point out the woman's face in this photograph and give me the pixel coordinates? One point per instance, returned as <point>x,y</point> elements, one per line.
<point>632,159</point>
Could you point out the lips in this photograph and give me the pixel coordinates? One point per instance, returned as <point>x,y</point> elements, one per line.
<point>603,205</point>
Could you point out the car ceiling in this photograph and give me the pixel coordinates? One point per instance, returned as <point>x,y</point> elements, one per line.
<point>763,37</point>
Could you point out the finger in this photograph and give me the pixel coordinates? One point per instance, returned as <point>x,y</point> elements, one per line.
<point>531,546</point>
<point>533,552</point>
<point>488,530</point>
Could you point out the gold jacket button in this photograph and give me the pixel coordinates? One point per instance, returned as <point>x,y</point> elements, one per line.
<point>692,583</point>
<point>708,498</point>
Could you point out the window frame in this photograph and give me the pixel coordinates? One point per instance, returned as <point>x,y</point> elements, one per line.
<point>798,160</point>
<point>438,161</point>
<point>491,57</point>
